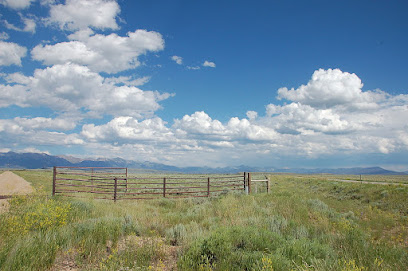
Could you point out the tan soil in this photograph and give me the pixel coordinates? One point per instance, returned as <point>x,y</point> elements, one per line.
<point>12,184</point>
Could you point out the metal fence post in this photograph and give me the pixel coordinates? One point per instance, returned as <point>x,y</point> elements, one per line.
<point>245,181</point>
<point>54,179</point>
<point>268,185</point>
<point>126,180</point>
<point>164,187</point>
<point>249,182</point>
<point>208,187</point>
<point>115,189</point>
<point>92,179</point>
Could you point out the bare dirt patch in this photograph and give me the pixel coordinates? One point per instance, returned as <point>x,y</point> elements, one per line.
<point>10,185</point>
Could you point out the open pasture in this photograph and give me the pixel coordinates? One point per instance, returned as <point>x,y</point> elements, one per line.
<point>395,179</point>
<point>306,222</point>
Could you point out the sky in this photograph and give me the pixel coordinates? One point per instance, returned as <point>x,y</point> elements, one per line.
<point>279,84</point>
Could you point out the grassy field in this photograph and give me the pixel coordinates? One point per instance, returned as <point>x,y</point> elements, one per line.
<point>307,222</point>
<point>402,179</point>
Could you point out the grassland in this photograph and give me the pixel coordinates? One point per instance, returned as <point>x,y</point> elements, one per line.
<point>305,223</point>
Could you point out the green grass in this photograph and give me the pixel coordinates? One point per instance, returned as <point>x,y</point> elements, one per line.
<point>305,223</point>
<point>371,178</point>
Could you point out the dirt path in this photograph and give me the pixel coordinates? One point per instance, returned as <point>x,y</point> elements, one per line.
<point>12,184</point>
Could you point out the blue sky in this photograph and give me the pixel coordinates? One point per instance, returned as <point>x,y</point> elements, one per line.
<point>216,83</point>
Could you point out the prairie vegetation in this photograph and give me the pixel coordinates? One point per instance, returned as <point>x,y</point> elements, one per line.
<point>305,223</point>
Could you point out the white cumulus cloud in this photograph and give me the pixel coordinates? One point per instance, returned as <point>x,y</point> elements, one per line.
<point>128,80</point>
<point>79,14</point>
<point>29,25</point>
<point>57,124</point>
<point>73,88</point>
<point>209,64</point>
<point>128,129</point>
<point>296,118</point>
<point>109,54</point>
<point>177,59</point>
<point>199,123</point>
<point>38,132</point>
<point>16,4</point>
<point>18,78</point>
<point>332,87</point>
<point>201,126</point>
<point>11,53</point>
<point>39,123</point>
<point>252,115</point>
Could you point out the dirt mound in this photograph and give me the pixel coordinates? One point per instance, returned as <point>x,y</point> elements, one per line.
<point>12,184</point>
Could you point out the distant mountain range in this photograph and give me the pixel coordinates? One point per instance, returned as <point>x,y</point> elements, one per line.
<point>42,160</point>
<point>345,171</point>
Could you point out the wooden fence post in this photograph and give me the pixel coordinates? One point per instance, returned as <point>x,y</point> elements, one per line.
<point>249,182</point>
<point>54,179</point>
<point>208,187</point>
<point>164,187</point>
<point>115,189</point>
